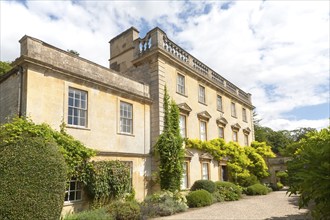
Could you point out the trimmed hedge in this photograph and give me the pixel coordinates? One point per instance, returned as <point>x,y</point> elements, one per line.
<point>228,190</point>
<point>257,189</point>
<point>33,179</point>
<point>199,198</point>
<point>207,185</point>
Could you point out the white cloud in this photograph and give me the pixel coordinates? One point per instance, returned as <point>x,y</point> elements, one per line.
<point>276,50</point>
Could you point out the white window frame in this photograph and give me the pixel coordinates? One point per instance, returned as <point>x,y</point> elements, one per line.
<point>246,139</point>
<point>74,187</point>
<point>205,167</point>
<point>233,109</point>
<point>126,117</point>
<point>183,126</point>
<point>201,132</point>
<point>185,175</point>
<point>219,103</point>
<point>201,94</point>
<point>180,86</point>
<point>235,136</point>
<point>221,130</point>
<point>77,107</point>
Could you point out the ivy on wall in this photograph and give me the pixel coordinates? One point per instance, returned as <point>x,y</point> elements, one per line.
<point>243,162</point>
<point>107,180</point>
<point>169,148</point>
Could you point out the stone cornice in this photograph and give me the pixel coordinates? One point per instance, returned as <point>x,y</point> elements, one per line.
<point>23,60</point>
<point>121,154</point>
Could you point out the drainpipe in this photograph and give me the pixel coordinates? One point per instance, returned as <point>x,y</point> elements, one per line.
<point>20,91</point>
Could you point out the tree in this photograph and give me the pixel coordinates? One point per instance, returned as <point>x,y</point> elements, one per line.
<point>5,67</point>
<point>309,173</point>
<point>169,148</point>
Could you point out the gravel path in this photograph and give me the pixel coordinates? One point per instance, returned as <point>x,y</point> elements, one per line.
<point>274,206</point>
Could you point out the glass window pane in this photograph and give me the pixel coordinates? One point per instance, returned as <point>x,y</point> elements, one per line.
<point>78,195</point>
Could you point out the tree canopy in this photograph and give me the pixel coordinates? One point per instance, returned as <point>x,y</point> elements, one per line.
<point>309,172</point>
<point>5,66</point>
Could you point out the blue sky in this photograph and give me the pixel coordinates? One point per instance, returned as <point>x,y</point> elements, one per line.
<point>276,50</point>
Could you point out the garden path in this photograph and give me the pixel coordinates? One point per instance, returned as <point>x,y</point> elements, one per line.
<point>274,206</point>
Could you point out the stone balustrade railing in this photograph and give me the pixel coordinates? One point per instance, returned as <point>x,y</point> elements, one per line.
<point>157,38</point>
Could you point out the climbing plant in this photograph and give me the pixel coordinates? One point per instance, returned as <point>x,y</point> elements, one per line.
<point>243,162</point>
<point>107,180</point>
<point>169,148</point>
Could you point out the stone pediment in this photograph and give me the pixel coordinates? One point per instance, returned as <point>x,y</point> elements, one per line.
<point>222,122</point>
<point>246,130</point>
<point>204,115</point>
<point>184,108</point>
<point>236,127</point>
<point>205,156</point>
<point>188,153</point>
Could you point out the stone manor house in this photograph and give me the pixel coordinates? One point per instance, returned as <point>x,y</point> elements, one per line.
<point>119,110</point>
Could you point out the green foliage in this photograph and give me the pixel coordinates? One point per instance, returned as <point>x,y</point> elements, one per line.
<point>199,198</point>
<point>74,152</point>
<point>107,180</point>
<point>169,148</point>
<point>282,142</point>
<point>283,176</point>
<point>208,185</point>
<point>309,173</point>
<point>74,52</point>
<point>229,191</point>
<point>218,196</point>
<point>5,67</point>
<point>163,204</point>
<point>257,189</point>
<point>248,181</point>
<point>99,214</point>
<point>279,185</point>
<point>33,177</point>
<point>243,161</point>
<point>123,210</point>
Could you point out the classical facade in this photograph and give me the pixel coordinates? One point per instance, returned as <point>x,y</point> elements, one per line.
<point>106,111</point>
<point>210,106</point>
<point>119,110</point>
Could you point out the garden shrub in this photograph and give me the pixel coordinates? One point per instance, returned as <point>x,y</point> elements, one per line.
<point>248,181</point>
<point>163,204</point>
<point>199,198</point>
<point>96,214</point>
<point>218,197</point>
<point>257,189</point>
<point>122,210</point>
<point>274,187</point>
<point>279,185</point>
<point>228,190</point>
<point>208,185</point>
<point>33,178</point>
<point>283,176</point>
